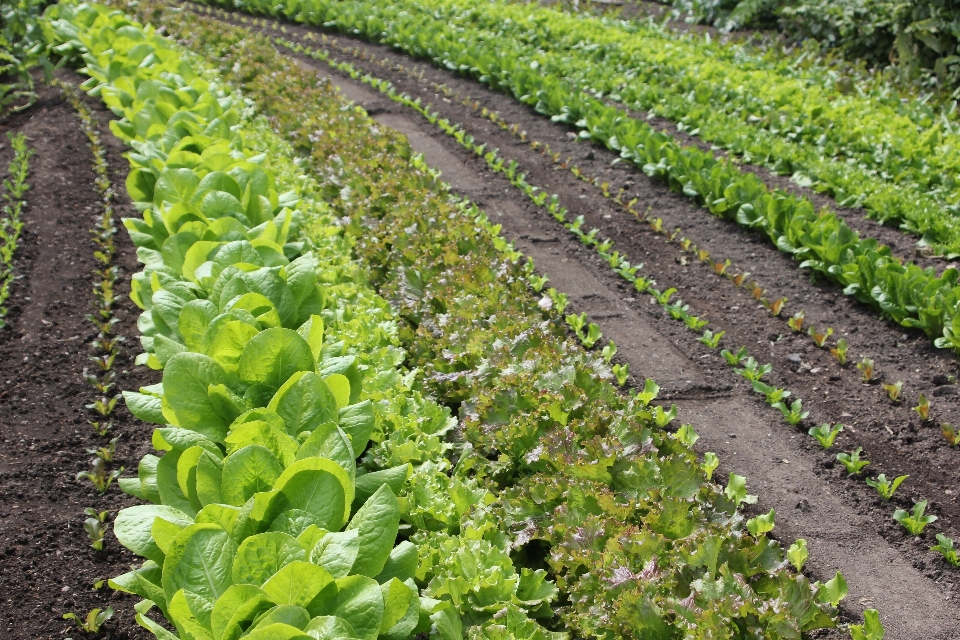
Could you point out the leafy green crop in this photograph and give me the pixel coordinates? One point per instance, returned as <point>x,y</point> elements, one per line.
<point>915,521</point>
<point>871,629</point>
<point>884,487</point>
<point>825,434</point>
<point>797,554</point>
<point>852,462</point>
<point>794,414</point>
<point>93,621</point>
<point>945,548</point>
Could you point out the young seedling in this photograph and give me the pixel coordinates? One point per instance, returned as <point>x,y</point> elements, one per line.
<point>832,591</point>
<point>94,620</point>
<point>795,321</point>
<point>649,393</point>
<point>795,414</point>
<point>621,372</point>
<point>734,359</point>
<point>609,350</point>
<point>797,554</point>
<point>819,338</point>
<point>592,336</point>
<point>871,629</point>
<point>915,521</point>
<point>711,339</point>
<point>893,390</point>
<point>884,487</point>
<point>761,524</point>
<point>559,299</point>
<point>756,290</point>
<point>852,462</point>
<point>777,306</point>
<point>840,351</point>
<point>687,435</point>
<point>102,428</point>
<point>664,298</point>
<point>923,408</point>
<point>825,434</point>
<point>773,394</point>
<point>752,370</point>
<point>950,433</point>
<point>106,453</point>
<point>537,282</point>
<point>94,526</point>
<point>720,268</point>
<point>945,548</point>
<point>866,369</point>
<point>99,476</point>
<point>710,463</point>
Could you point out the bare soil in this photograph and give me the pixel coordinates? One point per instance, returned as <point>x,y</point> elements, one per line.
<point>48,565</point>
<point>847,527</point>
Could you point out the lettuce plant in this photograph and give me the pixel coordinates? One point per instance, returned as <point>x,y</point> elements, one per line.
<point>893,390</point>
<point>840,351</point>
<point>915,521</point>
<point>852,462</point>
<point>93,621</point>
<point>867,371</point>
<point>886,488</point>
<point>794,414</point>
<point>773,394</point>
<point>950,433</point>
<point>734,359</point>
<point>752,370</point>
<point>825,434</point>
<point>99,476</point>
<point>621,372</point>
<point>819,337</point>
<point>795,322</point>
<point>95,527</point>
<point>923,408</point>
<point>711,339</point>
<point>871,629</point>
<point>797,554</point>
<point>946,549</point>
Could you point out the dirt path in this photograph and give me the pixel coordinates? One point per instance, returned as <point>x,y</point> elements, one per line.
<point>846,527</point>
<point>48,565</point>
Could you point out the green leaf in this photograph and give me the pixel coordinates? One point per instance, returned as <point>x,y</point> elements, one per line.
<point>304,402</point>
<point>337,552</point>
<point>359,602</point>
<point>186,378</point>
<point>261,556</point>
<point>272,356</point>
<point>358,421</point>
<point>133,528</point>
<point>297,583</point>
<point>402,563</point>
<point>199,561</point>
<point>248,471</point>
<point>833,591</point>
<point>321,487</point>
<point>761,524</point>
<point>329,441</point>
<point>401,610</point>
<point>377,522</point>
<point>797,554</point>
<point>340,388</point>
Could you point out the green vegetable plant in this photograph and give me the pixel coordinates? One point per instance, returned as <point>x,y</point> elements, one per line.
<point>950,433</point>
<point>711,339</point>
<point>93,621</point>
<point>825,434</point>
<point>797,554</point>
<point>609,350</point>
<point>752,370</point>
<point>772,394</point>
<point>867,371</point>
<point>893,390</point>
<point>886,488</point>
<point>795,322</point>
<point>95,527</point>
<point>923,408</point>
<point>734,359</point>
<point>794,414</point>
<point>106,452</point>
<point>819,338</point>
<point>99,476</point>
<point>946,549</point>
<point>14,189</point>
<point>915,521</point>
<point>840,351</point>
<point>851,461</point>
<point>621,372</point>
<point>871,629</point>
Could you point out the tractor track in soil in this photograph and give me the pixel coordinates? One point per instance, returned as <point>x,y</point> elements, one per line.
<point>846,526</point>
<point>48,565</point>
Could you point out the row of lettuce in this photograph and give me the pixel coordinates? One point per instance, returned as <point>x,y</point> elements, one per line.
<point>903,292</point>
<point>897,162</point>
<point>298,440</point>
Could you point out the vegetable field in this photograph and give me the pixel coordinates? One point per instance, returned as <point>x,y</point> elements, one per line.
<point>447,319</point>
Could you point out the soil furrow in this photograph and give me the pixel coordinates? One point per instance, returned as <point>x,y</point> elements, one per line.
<point>49,567</point>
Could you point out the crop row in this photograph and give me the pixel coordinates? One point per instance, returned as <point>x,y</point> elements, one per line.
<point>856,150</point>
<point>464,313</point>
<point>905,293</point>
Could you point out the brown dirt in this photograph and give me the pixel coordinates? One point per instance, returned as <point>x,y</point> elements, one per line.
<point>846,526</point>
<point>48,565</point>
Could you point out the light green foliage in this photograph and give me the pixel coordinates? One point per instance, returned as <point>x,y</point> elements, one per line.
<point>945,548</point>
<point>871,629</point>
<point>797,554</point>
<point>94,619</point>
<point>711,339</point>
<point>825,434</point>
<point>915,521</point>
<point>852,462</point>
<point>886,488</point>
<point>794,414</point>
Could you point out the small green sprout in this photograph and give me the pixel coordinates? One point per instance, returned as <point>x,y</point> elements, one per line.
<point>915,521</point>
<point>945,548</point>
<point>621,372</point>
<point>886,488</point>
<point>825,434</point>
<point>871,629</point>
<point>840,351</point>
<point>734,359</point>
<point>752,370</point>
<point>797,554</point>
<point>795,321</point>
<point>794,414</point>
<point>819,338</point>
<point>710,463</point>
<point>99,476</point>
<point>893,390</point>
<point>761,524</point>
<point>94,620</point>
<point>923,408</point>
<point>711,339</point>
<point>950,433</point>
<point>866,367</point>
<point>94,526</point>
<point>773,394</point>
<point>852,462</point>
<point>609,350</point>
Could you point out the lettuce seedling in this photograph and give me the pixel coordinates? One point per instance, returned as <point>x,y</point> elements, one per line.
<point>945,548</point>
<point>757,291</point>
<point>592,336</point>
<point>95,527</point>
<point>537,282</point>
<point>871,629</point>
<point>711,339</point>
<point>777,306</point>
<point>720,268</point>
<point>710,463</point>
<point>736,491</point>
<point>752,370</point>
<point>886,488</point>
<point>663,298</point>
<point>104,405</point>
<point>832,591</point>
<point>687,435</point>
<point>773,394</point>
<point>577,322</point>
<point>866,369</point>
<point>734,359</point>
<point>703,256</point>
<point>663,418</point>
<point>819,338</point>
<point>915,521</point>
<point>893,390</point>
<point>825,434</point>
<point>94,620</point>
<point>795,321</point>
<point>852,462</point>
<point>761,524</point>
<point>840,351</point>
<point>797,554</point>
<point>621,372</point>
<point>99,476</point>
<point>795,414</point>
<point>559,299</point>
<point>101,428</point>
<point>923,408</point>
<point>106,453</point>
<point>740,278</point>
<point>694,323</point>
<point>649,393</point>
<point>950,433</point>
<point>609,350</point>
